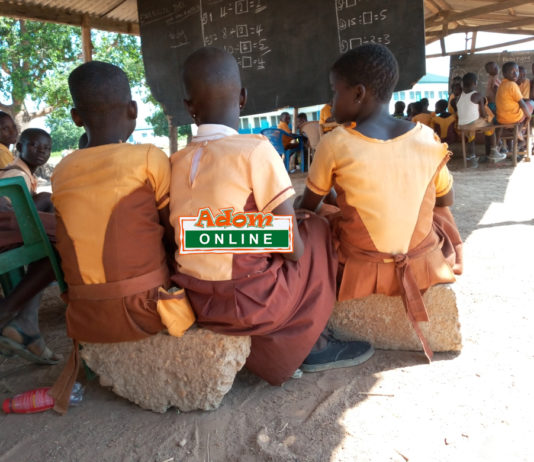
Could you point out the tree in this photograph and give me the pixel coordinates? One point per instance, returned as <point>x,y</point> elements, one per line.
<point>64,133</point>
<point>32,56</point>
<point>36,59</point>
<point>160,124</point>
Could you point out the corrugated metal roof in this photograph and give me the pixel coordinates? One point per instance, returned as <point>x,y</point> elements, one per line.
<point>443,17</point>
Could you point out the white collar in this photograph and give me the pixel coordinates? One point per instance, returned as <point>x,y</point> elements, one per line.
<point>209,132</point>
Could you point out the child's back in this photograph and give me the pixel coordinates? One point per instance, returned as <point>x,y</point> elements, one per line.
<point>388,175</point>
<point>111,199</point>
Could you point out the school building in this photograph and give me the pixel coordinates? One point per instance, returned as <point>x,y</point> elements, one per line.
<point>431,86</point>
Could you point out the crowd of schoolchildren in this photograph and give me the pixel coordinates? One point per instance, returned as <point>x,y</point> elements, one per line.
<point>360,227</point>
<point>505,101</point>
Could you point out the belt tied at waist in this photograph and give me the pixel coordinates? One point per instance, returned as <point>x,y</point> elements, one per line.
<point>410,293</point>
<point>61,389</point>
<point>117,289</point>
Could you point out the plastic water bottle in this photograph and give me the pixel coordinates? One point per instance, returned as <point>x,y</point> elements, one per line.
<point>38,400</point>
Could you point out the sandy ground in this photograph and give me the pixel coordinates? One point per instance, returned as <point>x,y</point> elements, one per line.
<point>475,406</point>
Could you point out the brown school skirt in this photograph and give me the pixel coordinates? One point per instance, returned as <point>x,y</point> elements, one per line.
<point>283,308</point>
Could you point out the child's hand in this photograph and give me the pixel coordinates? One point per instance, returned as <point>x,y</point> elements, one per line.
<point>302,214</point>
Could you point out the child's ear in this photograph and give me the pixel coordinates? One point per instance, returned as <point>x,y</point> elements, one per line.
<point>189,106</point>
<point>358,93</point>
<point>242,98</point>
<point>132,110</point>
<point>76,117</point>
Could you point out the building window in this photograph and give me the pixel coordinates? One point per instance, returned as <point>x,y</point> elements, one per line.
<point>274,122</point>
<point>418,95</point>
<point>256,122</point>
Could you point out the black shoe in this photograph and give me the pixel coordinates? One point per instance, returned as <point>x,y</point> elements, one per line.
<point>337,354</point>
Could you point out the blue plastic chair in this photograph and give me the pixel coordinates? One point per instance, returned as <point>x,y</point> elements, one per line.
<point>35,241</point>
<point>275,137</point>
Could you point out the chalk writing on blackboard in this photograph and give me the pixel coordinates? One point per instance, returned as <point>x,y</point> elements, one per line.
<point>245,38</point>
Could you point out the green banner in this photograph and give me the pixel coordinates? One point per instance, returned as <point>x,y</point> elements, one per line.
<point>236,239</point>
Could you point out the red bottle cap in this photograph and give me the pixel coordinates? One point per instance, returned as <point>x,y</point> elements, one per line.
<point>6,406</point>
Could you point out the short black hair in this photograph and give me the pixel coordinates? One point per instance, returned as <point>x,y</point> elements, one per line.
<point>469,79</point>
<point>417,108</point>
<point>5,114</point>
<point>457,79</point>
<point>425,102</point>
<point>213,66</point>
<point>507,66</point>
<point>489,63</point>
<point>97,86</point>
<point>371,65</point>
<point>441,105</point>
<point>302,115</point>
<point>31,132</point>
<point>400,106</point>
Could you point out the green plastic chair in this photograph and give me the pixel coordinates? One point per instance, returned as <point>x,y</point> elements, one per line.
<point>35,241</point>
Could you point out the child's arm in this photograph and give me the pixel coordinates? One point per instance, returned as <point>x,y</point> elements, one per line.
<point>168,234</point>
<point>309,200</point>
<point>477,98</point>
<point>524,108</point>
<point>286,208</point>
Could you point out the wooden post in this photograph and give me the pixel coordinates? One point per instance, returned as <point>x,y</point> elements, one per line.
<point>295,114</point>
<point>173,137</point>
<point>473,41</point>
<point>87,46</point>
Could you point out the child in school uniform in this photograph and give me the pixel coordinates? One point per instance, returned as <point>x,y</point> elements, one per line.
<point>282,300</point>
<point>8,136</point>
<point>34,147</point>
<point>394,232</point>
<point>19,311</point>
<point>492,85</point>
<point>472,114</point>
<point>111,200</point>
<point>443,122</point>
<point>524,83</point>
<point>511,107</point>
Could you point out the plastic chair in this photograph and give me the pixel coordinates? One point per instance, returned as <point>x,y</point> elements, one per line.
<point>35,241</point>
<point>312,130</point>
<point>275,137</point>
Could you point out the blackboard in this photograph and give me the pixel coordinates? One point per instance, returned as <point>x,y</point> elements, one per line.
<point>463,64</point>
<point>284,48</point>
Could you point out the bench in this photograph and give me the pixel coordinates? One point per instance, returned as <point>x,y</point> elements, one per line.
<point>513,135</point>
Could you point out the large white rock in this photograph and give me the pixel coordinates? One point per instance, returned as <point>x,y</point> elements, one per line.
<point>191,372</point>
<point>382,321</point>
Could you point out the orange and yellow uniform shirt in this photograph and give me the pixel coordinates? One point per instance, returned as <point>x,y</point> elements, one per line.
<point>324,115</point>
<point>6,157</point>
<point>109,236</point>
<point>507,101</point>
<point>286,140</point>
<point>386,193</point>
<point>19,168</point>
<point>245,169</point>
<point>444,127</point>
<point>424,117</point>
<point>524,88</point>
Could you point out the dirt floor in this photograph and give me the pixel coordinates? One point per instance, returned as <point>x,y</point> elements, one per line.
<point>475,406</point>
